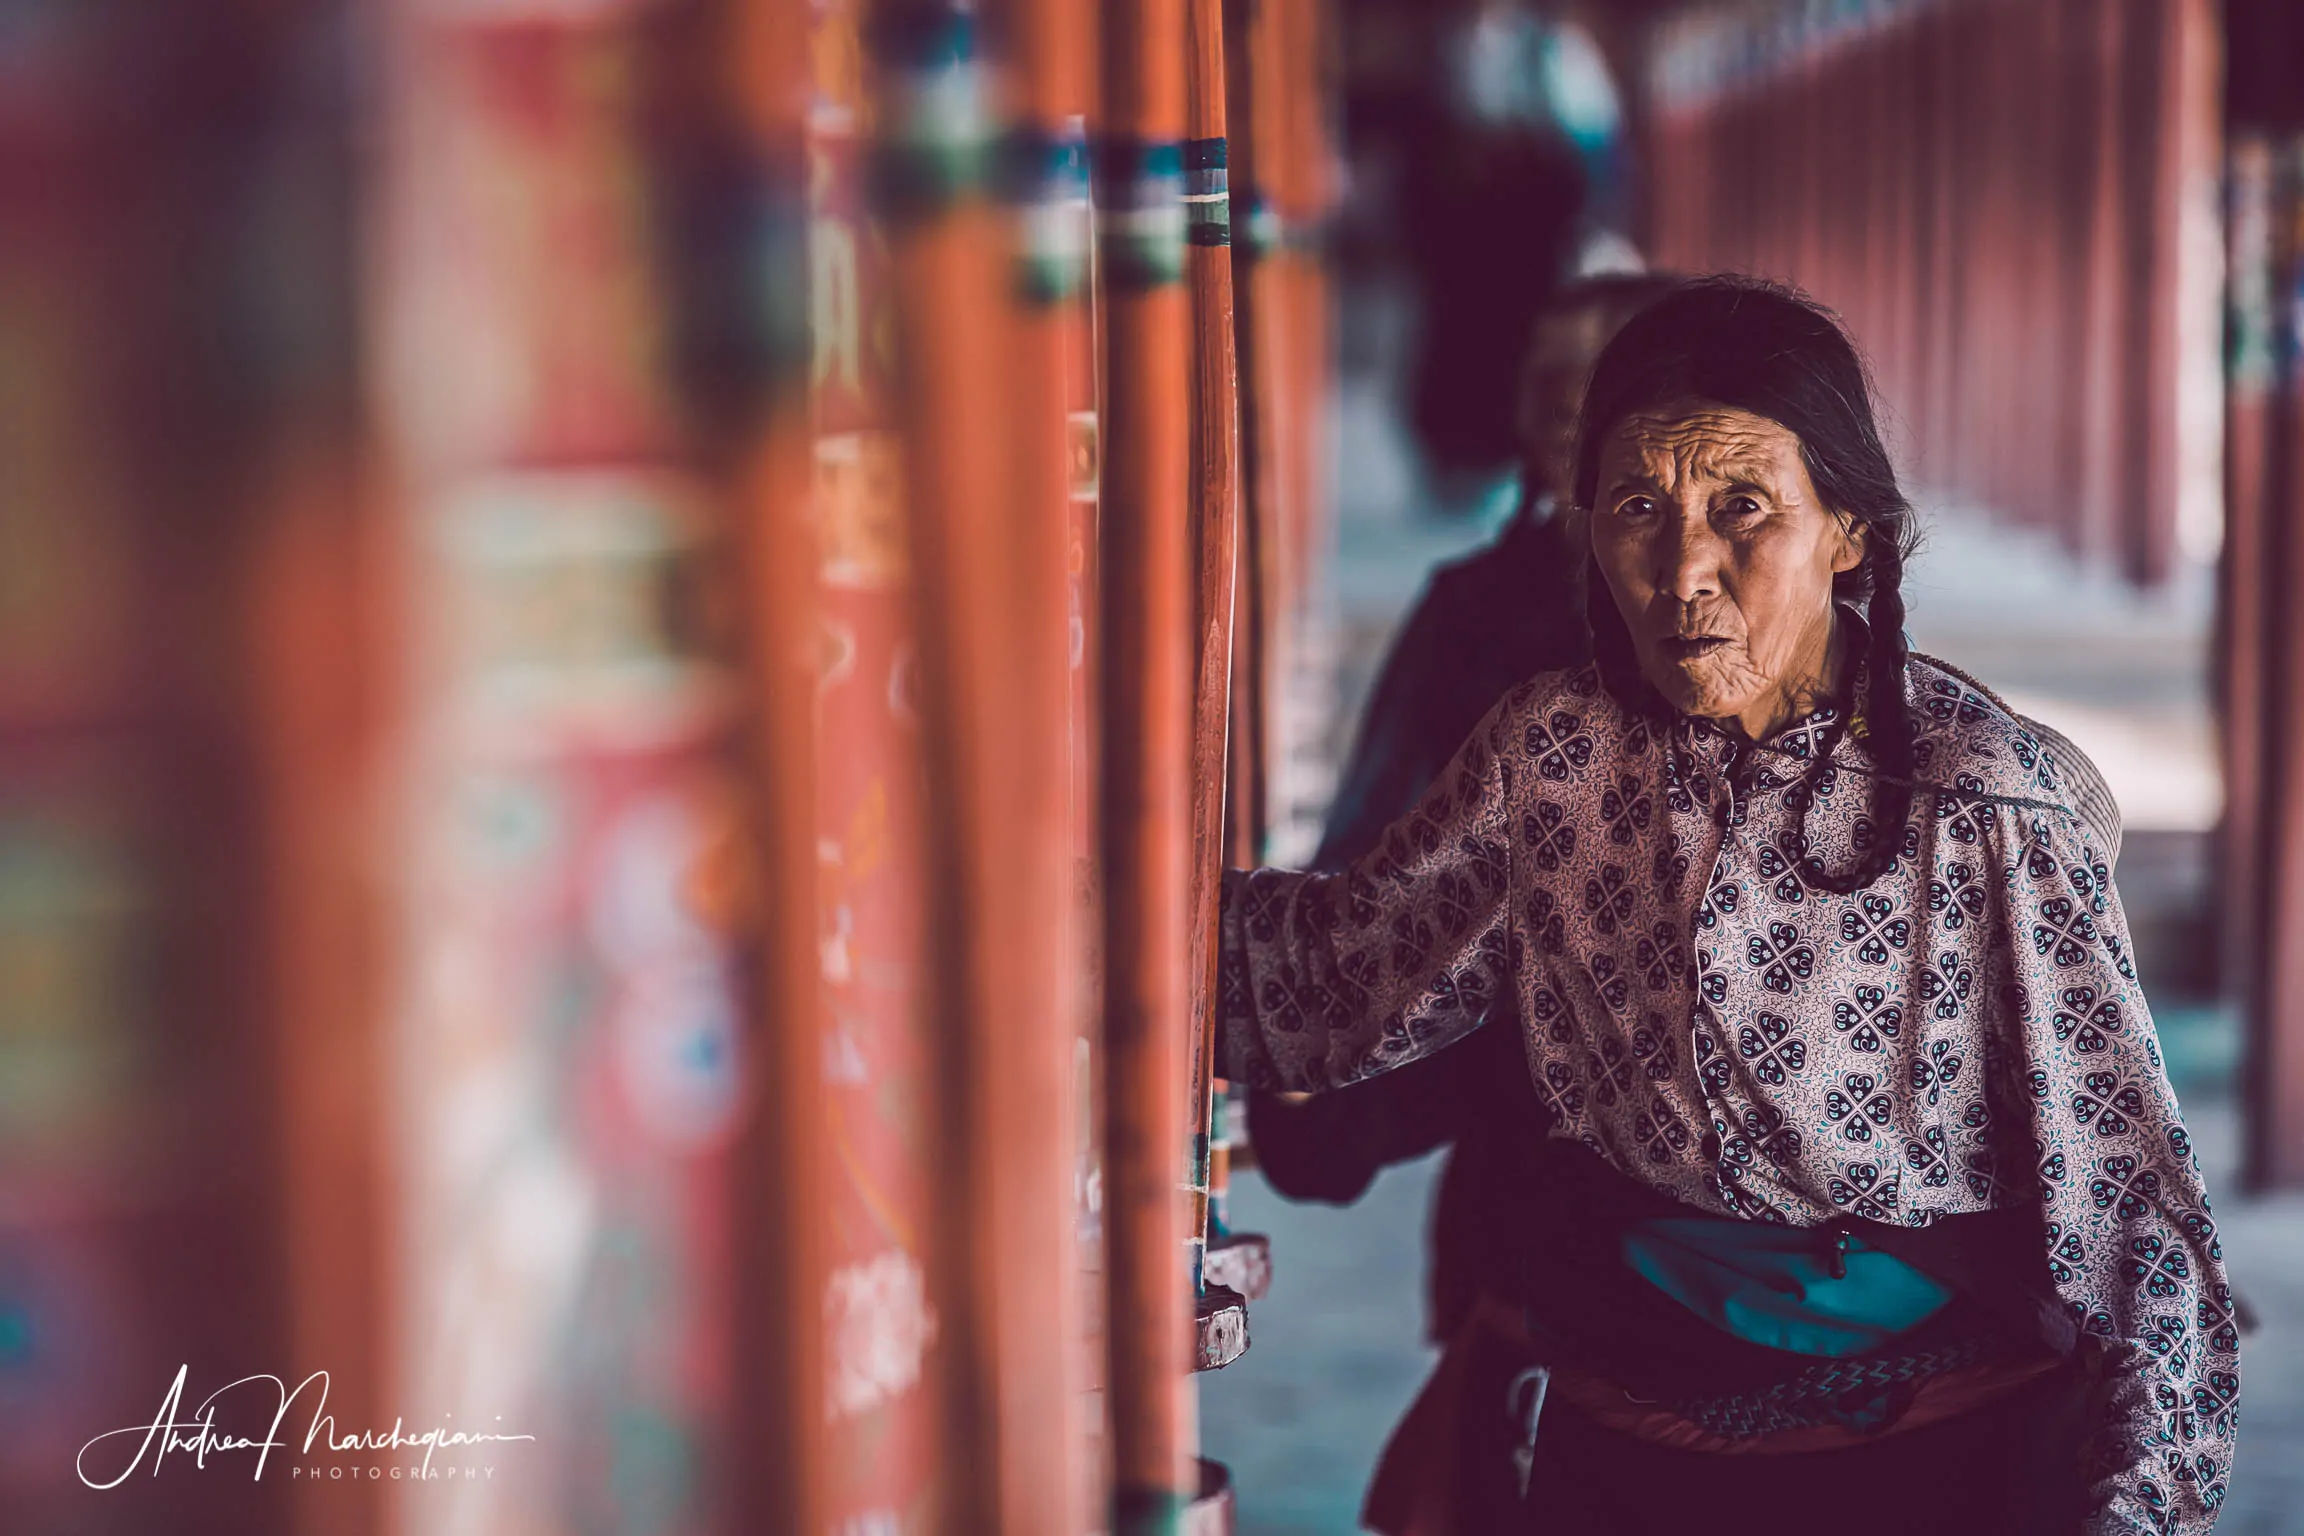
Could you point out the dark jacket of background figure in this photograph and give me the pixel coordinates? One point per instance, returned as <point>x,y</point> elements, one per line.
<point>1483,624</point>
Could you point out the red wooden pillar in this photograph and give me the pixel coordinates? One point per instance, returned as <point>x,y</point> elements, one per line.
<point>1903,74</point>
<point>1052,433</point>
<point>2261,640</point>
<point>1864,156</point>
<point>1275,56</point>
<point>925,86</point>
<point>989,585</point>
<point>1985,311</point>
<point>1215,431</point>
<point>1967,283</point>
<point>2073,149</point>
<point>2275,1079</point>
<point>1146,619</point>
<point>152,501</point>
<point>2001,264</point>
<point>2245,610</point>
<point>783,1177</point>
<point>885,1308</point>
<point>2153,149</point>
<point>1822,227</point>
<point>2036,249</point>
<point>2103,358</point>
<point>565,1069</point>
<point>1252,120</point>
<point>1288,59</point>
<point>1936,128</point>
<point>322,589</point>
<point>1758,126</point>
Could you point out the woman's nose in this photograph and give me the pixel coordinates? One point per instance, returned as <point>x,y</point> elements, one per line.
<point>1688,560</point>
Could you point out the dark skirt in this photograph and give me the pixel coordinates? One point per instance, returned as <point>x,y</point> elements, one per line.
<point>2010,1467</point>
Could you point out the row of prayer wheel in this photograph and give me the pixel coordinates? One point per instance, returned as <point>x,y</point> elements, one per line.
<point>632,633</point>
<point>636,633</point>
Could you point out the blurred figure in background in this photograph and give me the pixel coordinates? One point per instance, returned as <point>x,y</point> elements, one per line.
<point>1499,616</point>
<point>1483,624</point>
<point>1487,153</point>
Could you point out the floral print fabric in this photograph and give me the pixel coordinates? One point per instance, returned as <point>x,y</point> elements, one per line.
<point>1965,1034</point>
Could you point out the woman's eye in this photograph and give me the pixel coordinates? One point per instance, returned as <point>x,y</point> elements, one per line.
<point>1635,506</point>
<point>1741,506</point>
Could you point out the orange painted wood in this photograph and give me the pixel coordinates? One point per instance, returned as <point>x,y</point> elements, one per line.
<point>1244,769</point>
<point>988,583</point>
<point>1245,802</point>
<point>318,647</point>
<point>780,1248</point>
<point>1215,431</point>
<point>520,438</point>
<point>2177,133</point>
<point>164,516</point>
<point>987,489</point>
<point>2273,1081</point>
<point>1145,636</point>
<point>1269,410</point>
<point>1051,1469</point>
<point>2260,649</point>
<point>887,1303</point>
<point>322,584</point>
<point>2245,574</point>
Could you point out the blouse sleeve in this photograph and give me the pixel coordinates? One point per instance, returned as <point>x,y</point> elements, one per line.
<point>2131,1246</point>
<point>1330,978</point>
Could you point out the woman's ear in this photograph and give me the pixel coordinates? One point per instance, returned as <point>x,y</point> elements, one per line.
<point>1850,554</point>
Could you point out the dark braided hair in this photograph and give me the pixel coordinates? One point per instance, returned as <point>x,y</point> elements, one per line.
<point>1759,347</point>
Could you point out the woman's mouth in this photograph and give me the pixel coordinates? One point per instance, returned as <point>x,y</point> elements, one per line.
<point>1689,647</point>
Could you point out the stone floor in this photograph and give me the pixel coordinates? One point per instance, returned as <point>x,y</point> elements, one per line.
<point>1336,1348</point>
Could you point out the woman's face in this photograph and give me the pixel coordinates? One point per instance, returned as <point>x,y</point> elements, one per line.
<point>1721,559</point>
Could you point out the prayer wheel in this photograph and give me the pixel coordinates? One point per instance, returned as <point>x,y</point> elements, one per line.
<point>160,478</point>
<point>1144,767</point>
<point>564,1085</point>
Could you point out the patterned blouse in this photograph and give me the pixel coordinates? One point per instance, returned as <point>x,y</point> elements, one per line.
<point>1965,1034</point>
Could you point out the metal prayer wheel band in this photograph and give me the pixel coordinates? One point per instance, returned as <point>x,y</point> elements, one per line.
<point>1207,193</point>
<point>937,149</point>
<point>1140,215</point>
<point>779,301</point>
<point>1045,179</point>
<point>1264,231</point>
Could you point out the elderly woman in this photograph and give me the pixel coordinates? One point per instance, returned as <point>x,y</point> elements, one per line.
<point>1879,1213</point>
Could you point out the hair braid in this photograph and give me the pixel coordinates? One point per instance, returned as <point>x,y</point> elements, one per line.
<point>1888,727</point>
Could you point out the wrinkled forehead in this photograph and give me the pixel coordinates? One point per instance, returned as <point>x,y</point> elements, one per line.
<point>1700,441</point>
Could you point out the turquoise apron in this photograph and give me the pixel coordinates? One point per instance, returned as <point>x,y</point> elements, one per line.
<point>1812,1291</point>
